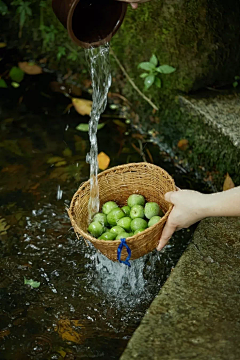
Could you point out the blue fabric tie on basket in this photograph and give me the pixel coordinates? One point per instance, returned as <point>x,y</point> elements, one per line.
<point>119,252</point>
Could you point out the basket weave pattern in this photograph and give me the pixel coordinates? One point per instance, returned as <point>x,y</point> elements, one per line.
<point>117,184</point>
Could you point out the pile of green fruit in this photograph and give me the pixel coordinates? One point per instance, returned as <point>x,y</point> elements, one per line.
<point>116,223</point>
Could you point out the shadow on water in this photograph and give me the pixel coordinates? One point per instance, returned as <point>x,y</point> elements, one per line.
<point>86,306</point>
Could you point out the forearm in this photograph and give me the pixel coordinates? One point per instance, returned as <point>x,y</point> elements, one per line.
<point>225,203</point>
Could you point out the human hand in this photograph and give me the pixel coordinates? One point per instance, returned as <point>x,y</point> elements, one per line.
<point>189,207</point>
<point>134,4</point>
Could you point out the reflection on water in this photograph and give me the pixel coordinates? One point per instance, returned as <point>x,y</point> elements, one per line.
<point>86,306</point>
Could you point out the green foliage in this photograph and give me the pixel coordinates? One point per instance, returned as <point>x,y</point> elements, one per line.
<point>16,74</point>
<point>48,35</point>
<point>3,8</point>
<point>236,82</point>
<point>32,283</point>
<point>61,52</point>
<point>3,83</point>
<point>152,77</point>
<point>24,11</point>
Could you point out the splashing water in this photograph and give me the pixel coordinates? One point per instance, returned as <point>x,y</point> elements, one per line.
<point>98,59</point>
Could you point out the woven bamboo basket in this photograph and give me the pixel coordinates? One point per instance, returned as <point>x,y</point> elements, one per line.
<point>117,184</point>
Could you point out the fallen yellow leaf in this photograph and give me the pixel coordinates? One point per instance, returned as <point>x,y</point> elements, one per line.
<point>2,45</point>
<point>183,144</point>
<point>69,330</point>
<point>228,183</point>
<point>4,333</point>
<point>30,69</point>
<point>82,106</point>
<point>103,161</point>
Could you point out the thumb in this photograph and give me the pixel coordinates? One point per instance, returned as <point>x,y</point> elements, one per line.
<point>168,196</point>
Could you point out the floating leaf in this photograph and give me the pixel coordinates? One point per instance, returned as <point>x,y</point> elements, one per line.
<point>85,127</point>
<point>64,88</point>
<point>15,84</point>
<point>158,82</point>
<point>119,123</point>
<point>55,159</point>
<point>228,183</point>
<point>70,330</point>
<point>149,80</point>
<point>4,333</point>
<point>59,173</point>
<point>146,66</point>
<point>165,69</point>
<point>113,106</point>
<point>11,145</point>
<point>16,74</point>
<point>3,226</point>
<point>80,144</point>
<point>2,45</point>
<point>103,161</point>
<point>3,83</point>
<point>30,68</point>
<point>67,152</point>
<point>61,163</point>
<point>183,144</point>
<point>82,106</point>
<point>32,283</point>
<point>154,60</point>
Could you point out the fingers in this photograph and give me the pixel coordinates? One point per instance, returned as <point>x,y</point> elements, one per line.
<point>134,6</point>
<point>168,230</point>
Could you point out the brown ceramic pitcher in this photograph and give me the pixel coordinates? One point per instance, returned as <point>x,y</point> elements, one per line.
<point>91,23</point>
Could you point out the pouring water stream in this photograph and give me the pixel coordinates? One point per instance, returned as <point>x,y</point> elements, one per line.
<point>98,60</point>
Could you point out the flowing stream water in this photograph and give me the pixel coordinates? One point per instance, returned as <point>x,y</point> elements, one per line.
<point>85,307</point>
<point>98,59</point>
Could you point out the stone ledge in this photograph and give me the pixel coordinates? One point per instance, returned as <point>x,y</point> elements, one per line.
<point>222,112</point>
<point>196,314</point>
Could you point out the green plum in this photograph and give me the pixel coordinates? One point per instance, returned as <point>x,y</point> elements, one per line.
<point>125,223</point>
<point>137,211</point>
<point>154,220</point>
<point>109,206</point>
<point>107,236</point>
<point>102,218</point>
<point>96,229</point>
<point>126,209</point>
<point>151,209</point>
<point>135,199</point>
<point>115,215</point>
<point>117,229</point>
<point>138,223</point>
<point>123,235</point>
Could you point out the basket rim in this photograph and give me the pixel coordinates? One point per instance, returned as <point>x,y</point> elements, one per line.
<point>103,173</point>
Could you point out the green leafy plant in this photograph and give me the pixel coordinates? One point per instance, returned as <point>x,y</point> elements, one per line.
<point>48,35</point>
<point>24,11</point>
<point>61,52</point>
<point>236,82</point>
<point>48,32</point>
<point>3,8</point>
<point>153,71</point>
